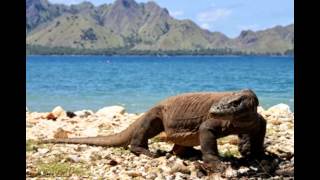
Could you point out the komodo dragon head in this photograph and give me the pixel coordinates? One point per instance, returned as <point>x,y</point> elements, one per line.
<point>236,104</point>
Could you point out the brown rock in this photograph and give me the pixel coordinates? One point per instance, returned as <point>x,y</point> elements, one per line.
<point>134,174</point>
<point>33,121</point>
<point>275,122</point>
<point>112,162</point>
<point>180,168</point>
<point>31,173</point>
<point>50,116</point>
<point>285,172</point>
<point>60,133</point>
<point>234,141</point>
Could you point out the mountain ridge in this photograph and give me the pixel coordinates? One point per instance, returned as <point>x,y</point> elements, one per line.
<point>133,26</point>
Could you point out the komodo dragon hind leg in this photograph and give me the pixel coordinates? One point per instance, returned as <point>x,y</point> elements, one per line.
<point>151,125</point>
<point>186,152</point>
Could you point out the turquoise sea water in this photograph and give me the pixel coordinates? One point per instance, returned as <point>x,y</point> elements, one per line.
<point>139,82</point>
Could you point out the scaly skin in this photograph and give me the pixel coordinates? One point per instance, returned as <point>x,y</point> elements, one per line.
<point>193,119</point>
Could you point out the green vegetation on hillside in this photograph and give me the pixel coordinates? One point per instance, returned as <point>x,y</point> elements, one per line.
<point>42,50</point>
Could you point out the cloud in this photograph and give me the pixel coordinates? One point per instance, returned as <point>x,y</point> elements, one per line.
<point>176,13</point>
<point>205,26</point>
<point>213,15</point>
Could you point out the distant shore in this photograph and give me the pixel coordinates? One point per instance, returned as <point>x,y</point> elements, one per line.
<point>155,55</point>
<point>43,50</point>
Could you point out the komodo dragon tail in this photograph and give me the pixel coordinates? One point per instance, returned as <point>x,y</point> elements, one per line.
<point>116,140</point>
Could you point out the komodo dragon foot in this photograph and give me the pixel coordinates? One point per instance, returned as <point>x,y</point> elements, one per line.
<point>139,150</point>
<point>186,152</point>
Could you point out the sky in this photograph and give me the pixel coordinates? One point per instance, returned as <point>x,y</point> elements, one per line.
<point>227,16</point>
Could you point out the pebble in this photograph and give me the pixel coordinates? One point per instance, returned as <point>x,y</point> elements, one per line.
<point>83,113</point>
<point>58,111</point>
<point>43,151</point>
<point>230,172</point>
<point>71,114</point>
<point>73,158</point>
<point>90,132</point>
<point>111,110</point>
<point>112,162</point>
<point>134,174</point>
<point>51,116</point>
<point>280,108</point>
<point>178,167</point>
<point>242,170</point>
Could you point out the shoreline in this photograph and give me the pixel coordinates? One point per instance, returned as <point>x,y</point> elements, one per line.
<point>146,55</point>
<point>44,160</point>
<point>291,108</point>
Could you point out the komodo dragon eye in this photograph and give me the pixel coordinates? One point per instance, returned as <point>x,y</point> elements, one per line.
<point>236,102</point>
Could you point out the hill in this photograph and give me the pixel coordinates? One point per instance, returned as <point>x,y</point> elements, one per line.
<point>130,27</point>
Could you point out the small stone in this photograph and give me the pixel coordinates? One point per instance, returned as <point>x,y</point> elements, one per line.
<point>31,173</point>
<point>51,116</point>
<point>275,122</point>
<point>73,158</point>
<point>230,172</point>
<point>285,172</point>
<point>134,174</point>
<point>234,141</point>
<point>172,158</point>
<point>159,177</point>
<point>84,113</point>
<point>180,168</point>
<point>90,132</point>
<point>151,176</point>
<point>242,170</point>
<point>60,133</point>
<point>112,162</point>
<point>111,110</point>
<point>43,151</point>
<point>181,176</point>
<point>58,111</point>
<point>103,125</point>
<point>253,168</point>
<point>33,121</point>
<point>283,127</point>
<point>71,114</point>
<point>280,108</point>
<point>168,155</point>
<point>95,157</point>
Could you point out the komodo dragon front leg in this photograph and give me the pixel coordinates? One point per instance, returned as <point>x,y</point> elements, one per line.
<point>210,131</point>
<point>251,144</point>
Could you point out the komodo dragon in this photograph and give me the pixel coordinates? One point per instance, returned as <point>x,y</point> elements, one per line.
<point>193,119</point>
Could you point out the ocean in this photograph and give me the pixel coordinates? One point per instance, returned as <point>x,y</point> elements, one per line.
<point>139,82</point>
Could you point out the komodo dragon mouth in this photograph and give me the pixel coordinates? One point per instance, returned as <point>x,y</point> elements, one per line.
<point>237,104</point>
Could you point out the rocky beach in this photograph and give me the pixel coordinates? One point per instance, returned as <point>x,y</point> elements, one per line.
<point>70,161</point>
